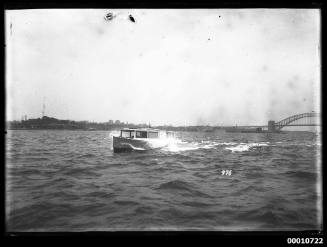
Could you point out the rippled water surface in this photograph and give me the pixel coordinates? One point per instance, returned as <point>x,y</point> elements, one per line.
<point>72,181</point>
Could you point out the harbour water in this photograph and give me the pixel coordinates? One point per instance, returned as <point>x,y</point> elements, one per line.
<point>72,181</point>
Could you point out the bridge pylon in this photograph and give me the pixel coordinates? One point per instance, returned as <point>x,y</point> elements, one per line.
<point>271,126</point>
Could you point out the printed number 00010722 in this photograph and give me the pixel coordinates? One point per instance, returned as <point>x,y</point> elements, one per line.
<point>305,240</point>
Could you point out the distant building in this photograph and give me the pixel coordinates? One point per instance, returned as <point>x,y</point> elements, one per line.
<point>111,122</point>
<point>117,122</point>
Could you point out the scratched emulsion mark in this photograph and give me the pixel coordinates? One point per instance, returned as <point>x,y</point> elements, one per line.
<point>131,18</point>
<point>10,28</point>
<point>110,16</point>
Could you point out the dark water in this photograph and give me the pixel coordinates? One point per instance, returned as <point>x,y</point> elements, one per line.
<point>71,181</point>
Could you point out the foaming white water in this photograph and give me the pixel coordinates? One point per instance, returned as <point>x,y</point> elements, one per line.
<point>246,146</point>
<point>180,146</point>
<point>161,142</point>
<point>177,147</point>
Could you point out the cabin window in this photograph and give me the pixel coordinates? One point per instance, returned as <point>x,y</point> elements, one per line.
<point>153,135</point>
<point>126,134</point>
<point>141,134</point>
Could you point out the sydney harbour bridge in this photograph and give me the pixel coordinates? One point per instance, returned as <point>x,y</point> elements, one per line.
<point>303,119</point>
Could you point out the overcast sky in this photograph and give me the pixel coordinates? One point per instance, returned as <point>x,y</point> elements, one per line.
<point>192,66</point>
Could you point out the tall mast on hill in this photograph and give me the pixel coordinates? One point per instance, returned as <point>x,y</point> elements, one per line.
<point>43,108</point>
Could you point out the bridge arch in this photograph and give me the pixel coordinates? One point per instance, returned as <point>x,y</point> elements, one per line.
<point>285,122</point>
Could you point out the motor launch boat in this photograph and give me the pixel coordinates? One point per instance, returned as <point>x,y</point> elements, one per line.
<point>141,139</point>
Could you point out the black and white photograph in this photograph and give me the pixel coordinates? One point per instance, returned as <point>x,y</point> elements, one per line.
<point>163,120</point>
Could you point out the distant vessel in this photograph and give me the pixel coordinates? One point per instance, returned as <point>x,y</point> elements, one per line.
<point>249,130</point>
<point>141,139</point>
<point>244,130</point>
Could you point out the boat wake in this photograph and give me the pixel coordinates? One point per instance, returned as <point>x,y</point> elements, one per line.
<point>180,146</point>
<point>243,147</point>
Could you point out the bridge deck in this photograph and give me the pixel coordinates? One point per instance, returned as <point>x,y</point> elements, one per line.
<point>287,122</point>
<point>266,126</point>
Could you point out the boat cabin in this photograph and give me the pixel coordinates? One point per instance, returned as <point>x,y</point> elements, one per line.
<point>144,133</point>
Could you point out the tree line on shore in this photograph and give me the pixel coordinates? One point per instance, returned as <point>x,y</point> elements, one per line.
<point>53,123</point>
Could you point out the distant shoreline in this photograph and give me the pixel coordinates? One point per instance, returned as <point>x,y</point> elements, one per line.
<point>190,128</point>
<point>184,130</point>
<point>49,123</point>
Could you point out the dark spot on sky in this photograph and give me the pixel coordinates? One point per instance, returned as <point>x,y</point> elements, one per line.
<point>209,39</point>
<point>131,18</point>
<point>219,16</point>
<point>109,16</point>
<point>291,85</point>
<point>304,99</point>
<point>100,31</point>
<point>264,68</point>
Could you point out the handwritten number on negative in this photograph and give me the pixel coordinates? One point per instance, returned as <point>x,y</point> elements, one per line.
<point>226,172</point>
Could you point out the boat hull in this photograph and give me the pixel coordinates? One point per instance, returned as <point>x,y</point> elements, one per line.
<point>121,144</point>
<point>249,130</point>
<point>243,130</point>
